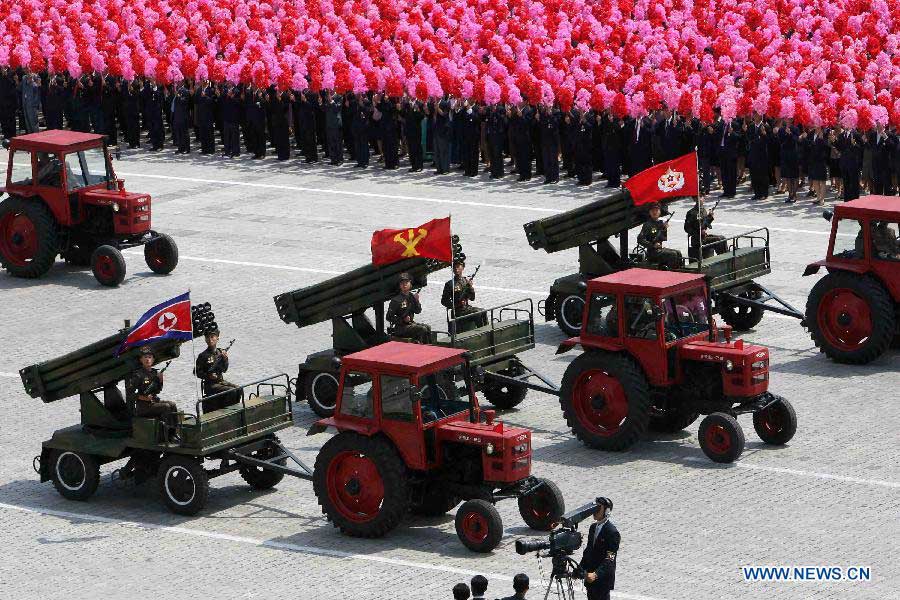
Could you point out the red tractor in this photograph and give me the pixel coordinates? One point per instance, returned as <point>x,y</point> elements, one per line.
<point>853,313</point>
<point>411,437</point>
<point>653,358</point>
<point>64,199</point>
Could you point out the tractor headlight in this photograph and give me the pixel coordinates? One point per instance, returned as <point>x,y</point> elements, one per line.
<point>115,206</point>
<point>521,448</point>
<point>489,449</point>
<point>729,366</point>
<point>760,364</point>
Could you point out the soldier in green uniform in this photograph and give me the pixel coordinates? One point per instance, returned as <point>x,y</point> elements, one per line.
<point>696,222</point>
<point>457,294</point>
<point>143,387</point>
<point>884,241</point>
<point>401,313</point>
<point>652,236</point>
<point>212,363</point>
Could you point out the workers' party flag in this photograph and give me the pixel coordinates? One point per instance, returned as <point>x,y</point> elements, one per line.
<point>170,320</point>
<point>429,240</point>
<point>672,179</point>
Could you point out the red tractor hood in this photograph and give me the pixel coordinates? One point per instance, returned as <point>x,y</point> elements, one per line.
<point>103,196</point>
<point>482,434</point>
<point>737,352</point>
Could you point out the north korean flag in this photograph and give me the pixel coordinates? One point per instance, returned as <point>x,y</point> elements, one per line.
<point>170,320</point>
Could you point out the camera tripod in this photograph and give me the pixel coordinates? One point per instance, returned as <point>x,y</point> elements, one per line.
<point>560,584</point>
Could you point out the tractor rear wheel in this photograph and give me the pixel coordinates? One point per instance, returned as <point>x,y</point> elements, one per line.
<point>478,525</point>
<point>740,316</point>
<point>777,423</point>
<point>161,254</point>
<point>503,395</point>
<point>259,478</point>
<point>361,484</point>
<point>605,400</point>
<point>108,266</point>
<point>543,507</point>
<point>183,484</point>
<point>436,501</point>
<point>321,389</point>
<point>721,437</point>
<point>850,317</point>
<point>672,420</point>
<point>569,310</point>
<point>75,475</point>
<point>29,237</point>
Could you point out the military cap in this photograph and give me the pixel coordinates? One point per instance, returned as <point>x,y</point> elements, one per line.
<point>211,331</point>
<point>405,277</point>
<point>145,351</point>
<point>459,260</point>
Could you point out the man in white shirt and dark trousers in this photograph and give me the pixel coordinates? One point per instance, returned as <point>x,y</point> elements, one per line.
<point>599,559</point>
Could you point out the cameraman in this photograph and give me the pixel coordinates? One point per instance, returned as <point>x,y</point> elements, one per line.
<point>599,560</point>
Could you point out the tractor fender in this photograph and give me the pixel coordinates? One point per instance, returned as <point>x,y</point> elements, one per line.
<point>566,345</point>
<point>813,268</point>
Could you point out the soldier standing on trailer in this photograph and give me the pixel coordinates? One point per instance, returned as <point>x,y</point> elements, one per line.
<point>211,365</point>
<point>457,294</point>
<point>401,313</point>
<point>696,222</point>
<point>652,236</point>
<point>143,386</point>
<point>599,559</point>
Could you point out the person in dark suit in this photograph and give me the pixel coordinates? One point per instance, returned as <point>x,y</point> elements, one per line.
<point>520,134</point>
<point>613,144</point>
<point>520,587</point>
<point>550,124</point>
<point>583,133</point>
<point>497,122</point>
<point>231,123</point>
<point>599,559</point>
<point>638,134</point>
<point>882,148</point>
<point>790,158</point>
<point>729,138</point>
<point>471,126</point>
<point>758,157</point>
<point>850,146</point>
<point>181,120</point>
<point>479,585</point>
<point>413,112</point>
<point>460,592</point>
<point>817,161</point>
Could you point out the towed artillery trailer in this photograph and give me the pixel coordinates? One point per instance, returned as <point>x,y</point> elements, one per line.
<point>853,312</point>
<point>65,199</point>
<point>731,276</point>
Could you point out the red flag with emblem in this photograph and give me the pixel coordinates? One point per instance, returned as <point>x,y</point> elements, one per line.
<point>429,240</point>
<point>675,178</point>
<point>169,320</point>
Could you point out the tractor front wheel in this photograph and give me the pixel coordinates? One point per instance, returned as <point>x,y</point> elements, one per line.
<point>777,423</point>
<point>850,317</point>
<point>478,525</point>
<point>29,239</point>
<point>361,484</point>
<point>721,437</point>
<point>321,389</point>
<point>542,507</point>
<point>569,310</point>
<point>108,266</point>
<point>605,400</point>
<point>75,475</point>
<point>161,254</point>
<point>183,483</point>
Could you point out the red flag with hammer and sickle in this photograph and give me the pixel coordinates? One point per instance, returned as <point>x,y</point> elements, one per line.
<point>429,240</point>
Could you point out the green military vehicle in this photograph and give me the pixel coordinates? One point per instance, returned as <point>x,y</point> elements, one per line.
<point>348,300</point>
<point>732,276</point>
<point>241,436</point>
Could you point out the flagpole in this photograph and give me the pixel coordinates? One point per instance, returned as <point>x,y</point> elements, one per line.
<point>699,206</point>
<point>194,353</point>
<point>452,282</point>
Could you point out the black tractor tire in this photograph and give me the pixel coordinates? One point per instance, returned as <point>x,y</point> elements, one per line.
<point>504,396</point>
<point>568,309</point>
<point>577,407</point>
<point>721,437</point>
<point>43,231</point>
<point>79,256</point>
<point>75,475</point>
<point>436,501</point>
<point>478,525</point>
<point>183,484</point>
<point>161,255</point>
<point>343,488</point>
<point>108,266</point>
<point>777,423</point>
<point>543,507</point>
<point>672,421</point>
<point>740,317</point>
<point>320,390</point>
<point>259,478</point>
<point>882,318</point>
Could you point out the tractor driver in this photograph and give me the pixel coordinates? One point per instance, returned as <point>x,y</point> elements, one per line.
<point>651,238</point>
<point>212,363</point>
<point>457,294</point>
<point>884,241</point>
<point>401,313</point>
<point>144,385</point>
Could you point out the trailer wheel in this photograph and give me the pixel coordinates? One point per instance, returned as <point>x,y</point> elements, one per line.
<point>543,507</point>
<point>29,238</point>
<point>850,318</point>
<point>478,525</point>
<point>75,475</point>
<point>361,484</point>
<point>721,437</point>
<point>672,421</point>
<point>436,501</point>
<point>108,266</point>
<point>605,400</point>
<point>739,316</point>
<point>502,395</point>
<point>777,423</point>
<point>569,310</point>
<point>184,484</point>
<point>259,478</point>
<point>161,254</point>
<point>321,392</point>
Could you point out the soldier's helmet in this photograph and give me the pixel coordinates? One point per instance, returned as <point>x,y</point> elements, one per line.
<point>145,351</point>
<point>211,331</point>
<point>459,260</point>
<point>405,277</point>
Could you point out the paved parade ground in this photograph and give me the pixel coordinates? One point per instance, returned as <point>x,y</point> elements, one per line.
<point>248,230</point>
